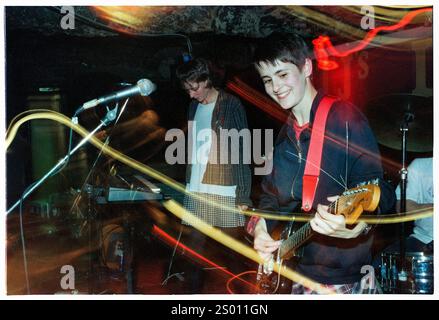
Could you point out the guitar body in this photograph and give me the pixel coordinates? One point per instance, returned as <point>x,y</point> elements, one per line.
<point>269,282</point>
<point>272,282</point>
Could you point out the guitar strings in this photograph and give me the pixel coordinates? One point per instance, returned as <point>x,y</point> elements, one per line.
<point>328,174</point>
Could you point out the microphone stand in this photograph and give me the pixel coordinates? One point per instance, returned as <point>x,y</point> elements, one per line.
<point>408,117</point>
<point>110,116</point>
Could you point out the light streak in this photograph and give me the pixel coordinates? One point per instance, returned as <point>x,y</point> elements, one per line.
<point>180,212</point>
<point>238,276</point>
<point>386,13</point>
<point>272,109</point>
<point>256,98</point>
<point>173,241</point>
<point>239,247</point>
<point>107,150</point>
<point>131,19</point>
<point>323,47</point>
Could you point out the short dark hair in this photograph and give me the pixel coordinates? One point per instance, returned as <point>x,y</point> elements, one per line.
<point>286,47</point>
<point>196,70</point>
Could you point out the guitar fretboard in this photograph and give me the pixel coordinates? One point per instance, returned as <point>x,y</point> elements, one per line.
<point>302,235</point>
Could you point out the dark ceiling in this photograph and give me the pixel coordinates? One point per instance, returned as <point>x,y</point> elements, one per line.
<point>246,21</point>
<point>50,44</point>
<point>154,34</point>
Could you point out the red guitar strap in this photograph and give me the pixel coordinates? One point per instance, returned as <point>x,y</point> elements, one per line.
<point>314,157</point>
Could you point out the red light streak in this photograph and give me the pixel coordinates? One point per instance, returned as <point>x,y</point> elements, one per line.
<point>238,277</point>
<point>173,241</point>
<point>256,98</point>
<point>323,47</point>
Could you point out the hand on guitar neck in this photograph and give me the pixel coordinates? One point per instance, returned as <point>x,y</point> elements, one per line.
<point>334,225</point>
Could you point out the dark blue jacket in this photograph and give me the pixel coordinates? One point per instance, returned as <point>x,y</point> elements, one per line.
<point>349,140</point>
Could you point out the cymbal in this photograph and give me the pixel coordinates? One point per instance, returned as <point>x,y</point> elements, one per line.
<point>387,113</point>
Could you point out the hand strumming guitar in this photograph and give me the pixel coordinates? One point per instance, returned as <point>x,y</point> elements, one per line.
<point>263,242</point>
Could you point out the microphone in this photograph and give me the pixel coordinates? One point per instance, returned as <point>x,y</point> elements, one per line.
<point>144,87</point>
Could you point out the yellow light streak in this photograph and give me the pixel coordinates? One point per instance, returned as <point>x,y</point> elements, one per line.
<point>106,149</point>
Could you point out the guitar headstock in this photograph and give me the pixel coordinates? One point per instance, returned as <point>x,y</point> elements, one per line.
<point>354,201</point>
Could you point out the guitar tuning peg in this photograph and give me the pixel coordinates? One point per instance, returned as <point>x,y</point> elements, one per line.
<point>364,183</point>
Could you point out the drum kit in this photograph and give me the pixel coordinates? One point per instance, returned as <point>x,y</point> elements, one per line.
<point>418,275</point>
<point>404,122</point>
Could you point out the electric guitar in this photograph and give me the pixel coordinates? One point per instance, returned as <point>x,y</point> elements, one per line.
<point>351,204</point>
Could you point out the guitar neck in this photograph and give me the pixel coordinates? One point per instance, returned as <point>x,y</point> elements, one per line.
<point>296,240</point>
<point>302,235</point>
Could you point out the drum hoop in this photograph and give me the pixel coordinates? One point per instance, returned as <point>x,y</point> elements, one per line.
<point>413,254</point>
